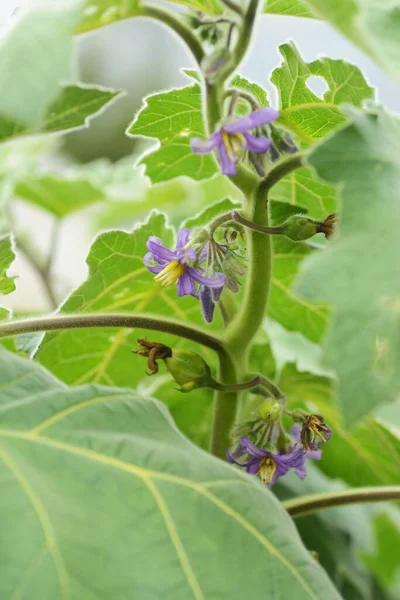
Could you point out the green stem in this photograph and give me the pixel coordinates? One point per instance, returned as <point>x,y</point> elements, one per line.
<point>250,225</point>
<point>252,310</point>
<point>308,504</point>
<point>245,33</point>
<point>131,321</point>
<point>237,387</point>
<point>224,410</point>
<point>282,168</point>
<point>232,5</point>
<point>167,17</point>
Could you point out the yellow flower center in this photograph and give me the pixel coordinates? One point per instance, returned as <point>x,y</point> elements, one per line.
<point>234,144</point>
<point>171,273</point>
<point>267,469</point>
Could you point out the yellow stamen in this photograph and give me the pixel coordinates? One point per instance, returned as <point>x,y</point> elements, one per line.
<point>171,273</point>
<point>234,144</point>
<point>267,469</point>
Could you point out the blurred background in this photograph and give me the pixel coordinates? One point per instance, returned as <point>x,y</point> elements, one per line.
<point>141,57</point>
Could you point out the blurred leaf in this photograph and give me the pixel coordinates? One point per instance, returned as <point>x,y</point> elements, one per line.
<point>384,562</point>
<point>285,306</point>
<point>118,280</point>
<point>35,56</point>
<point>7,284</point>
<point>293,347</point>
<point>73,109</point>
<point>373,26</point>
<point>99,13</point>
<point>173,117</point>
<point>58,195</point>
<point>291,8</point>
<point>363,344</point>
<point>136,487</point>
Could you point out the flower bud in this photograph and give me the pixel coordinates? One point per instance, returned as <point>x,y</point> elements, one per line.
<point>216,64</point>
<point>298,228</point>
<point>270,410</point>
<point>189,370</point>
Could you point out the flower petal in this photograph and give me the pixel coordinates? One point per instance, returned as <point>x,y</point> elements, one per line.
<point>207,305</point>
<point>257,144</point>
<point>252,449</point>
<point>259,117</point>
<point>185,285</point>
<point>228,166</point>
<point>183,238</point>
<point>197,275</point>
<point>160,253</point>
<point>200,146</point>
<point>152,268</point>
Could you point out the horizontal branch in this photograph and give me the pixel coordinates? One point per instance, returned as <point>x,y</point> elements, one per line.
<point>279,170</point>
<point>305,505</point>
<point>130,321</point>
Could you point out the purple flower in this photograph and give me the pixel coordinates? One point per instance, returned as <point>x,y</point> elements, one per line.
<point>267,465</point>
<point>172,266</point>
<point>234,137</point>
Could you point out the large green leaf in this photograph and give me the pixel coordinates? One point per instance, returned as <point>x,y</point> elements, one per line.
<point>173,118</point>
<point>118,281</point>
<point>358,273</point>
<point>112,499</point>
<point>7,256</point>
<point>73,109</point>
<point>35,57</point>
<point>292,8</point>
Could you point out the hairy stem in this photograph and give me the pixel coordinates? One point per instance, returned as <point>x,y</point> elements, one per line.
<point>131,321</point>
<point>234,6</point>
<point>225,407</point>
<point>309,504</point>
<point>153,11</point>
<point>236,387</point>
<point>250,225</point>
<point>282,168</point>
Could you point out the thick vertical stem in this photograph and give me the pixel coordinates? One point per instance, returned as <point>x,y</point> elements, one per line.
<point>225,407</point>
<point>253,308</point>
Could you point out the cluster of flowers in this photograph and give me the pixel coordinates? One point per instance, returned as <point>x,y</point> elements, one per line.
<point>270,465</point>
<point>184,267</point>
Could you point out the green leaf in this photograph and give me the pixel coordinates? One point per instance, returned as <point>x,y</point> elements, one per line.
<point>291,8</point>
<point>310,118</point>
<point>73,109</point>
<point>118,280</point>
<point>7,284</point>
<point>303,111</point>
<point>211,212</point>
<point>363,344</point>
<point>135,487</point>
<point>286,306</point>
<point>173,117</point>
<point>249,87</point>
<point>302,188</point>
<point>35,57</point>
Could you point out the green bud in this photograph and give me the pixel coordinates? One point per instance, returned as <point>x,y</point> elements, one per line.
<point>299,228</point>
<point>270,410</point>
<point>189,370</point>
<point>217,63</point>
<point>298,415</point>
